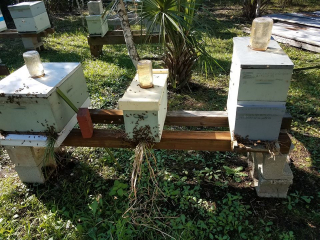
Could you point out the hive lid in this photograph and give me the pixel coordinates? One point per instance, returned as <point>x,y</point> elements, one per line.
<point>20,83</point>
<point>24,5</point>
<point>274,57</point>
<point>136,98</point>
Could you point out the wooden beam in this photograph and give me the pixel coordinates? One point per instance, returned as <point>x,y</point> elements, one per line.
<point>4,71</point>
<point>283,140</point>
<point>179,118</point>
<point>177,140</point>
<point>13,33</point>
<point>116,37</point>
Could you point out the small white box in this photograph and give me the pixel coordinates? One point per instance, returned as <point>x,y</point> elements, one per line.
<point>34,24</point>
<point>255,120</point>
<point>27,9</point>
<point>97,25</point>
<point>259,75</point>
<point>33,104</point>
<point>3,25</point>
<point>145,107</point>
<point>95,7</point>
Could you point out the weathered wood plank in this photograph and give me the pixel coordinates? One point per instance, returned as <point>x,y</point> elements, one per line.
<point>298,33</point>
<point>178,118</point>
<point>297,44</point>
<point>176,140</point>
<point>291,18</point>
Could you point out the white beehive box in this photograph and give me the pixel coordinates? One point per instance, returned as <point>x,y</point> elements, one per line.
<point>3,25</point>
<point>95,7</point>
<point>30,16</point>
<point>146,107</point>
<point>27,9</point>
<point>256,120</point>
<point>97,25</point>
<point>32,104</point>
<point>259,75</point>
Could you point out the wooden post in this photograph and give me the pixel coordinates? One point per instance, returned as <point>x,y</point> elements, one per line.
<point>96,50</point>
<point>85,122</point>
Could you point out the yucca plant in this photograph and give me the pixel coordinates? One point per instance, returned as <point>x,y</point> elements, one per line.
<point>176,21</point>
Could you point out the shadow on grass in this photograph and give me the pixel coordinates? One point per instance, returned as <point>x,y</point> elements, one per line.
<point>210,99</point>
<point>78,193</point>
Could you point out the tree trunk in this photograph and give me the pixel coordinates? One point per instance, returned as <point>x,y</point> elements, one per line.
<point>258,8</point>
<point>132,51</point>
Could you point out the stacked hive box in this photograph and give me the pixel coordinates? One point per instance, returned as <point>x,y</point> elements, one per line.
<point>3,25</point>
<point>97,23</point>
<point>145,110</point>
<point>30,16</point>
<point>258,87</point>
<point>30,107</point>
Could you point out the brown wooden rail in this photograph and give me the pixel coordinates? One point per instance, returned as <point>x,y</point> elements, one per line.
<point>179,140</point>
<point>179,118</point>
<point>13,33</point>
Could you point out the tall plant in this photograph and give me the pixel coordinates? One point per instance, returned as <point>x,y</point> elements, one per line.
<point>176,21</point>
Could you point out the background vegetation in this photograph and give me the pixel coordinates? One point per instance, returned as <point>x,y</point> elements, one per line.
<point>207,195</point>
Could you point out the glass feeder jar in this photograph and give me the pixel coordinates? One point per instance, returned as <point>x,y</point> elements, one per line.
<point>261,33</point>
<point>33,63</point>
<point>145,75</point>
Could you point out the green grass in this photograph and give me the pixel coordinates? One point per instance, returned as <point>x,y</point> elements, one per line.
<point>206,194</point>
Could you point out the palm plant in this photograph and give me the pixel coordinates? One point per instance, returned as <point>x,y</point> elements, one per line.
<point>176,21</point>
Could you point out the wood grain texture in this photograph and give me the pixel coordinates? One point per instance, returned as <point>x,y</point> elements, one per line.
<point>179,118</point>
<point>177,140</point>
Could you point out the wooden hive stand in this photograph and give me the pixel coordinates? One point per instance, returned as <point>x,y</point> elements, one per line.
<point>31,41</point>
<point>116,37</point>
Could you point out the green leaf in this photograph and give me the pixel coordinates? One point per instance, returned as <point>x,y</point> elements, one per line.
<point>183,218</point>
<point>94,206</point>
<point>120,192</point>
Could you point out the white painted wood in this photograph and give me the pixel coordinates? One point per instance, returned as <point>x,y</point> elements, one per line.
<point>95,7</point>
<point>274,57</point>
<point>33,24</point>
<point>29,156</point>
<point>36,100</point>
<point>27,9</point>
<point>29,140</point>
<point>145,107</point>
<point>97,25</point>
<point>255,120</point>
<point>136,98</point>
<point>30,174</point>
<point>20,82</point>
<point>31,43</point>
<point>267,83</point>
<point>259,84</point>
<point>3,25</point>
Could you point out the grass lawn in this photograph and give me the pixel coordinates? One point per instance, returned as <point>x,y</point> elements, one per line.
<point>87,197</point>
